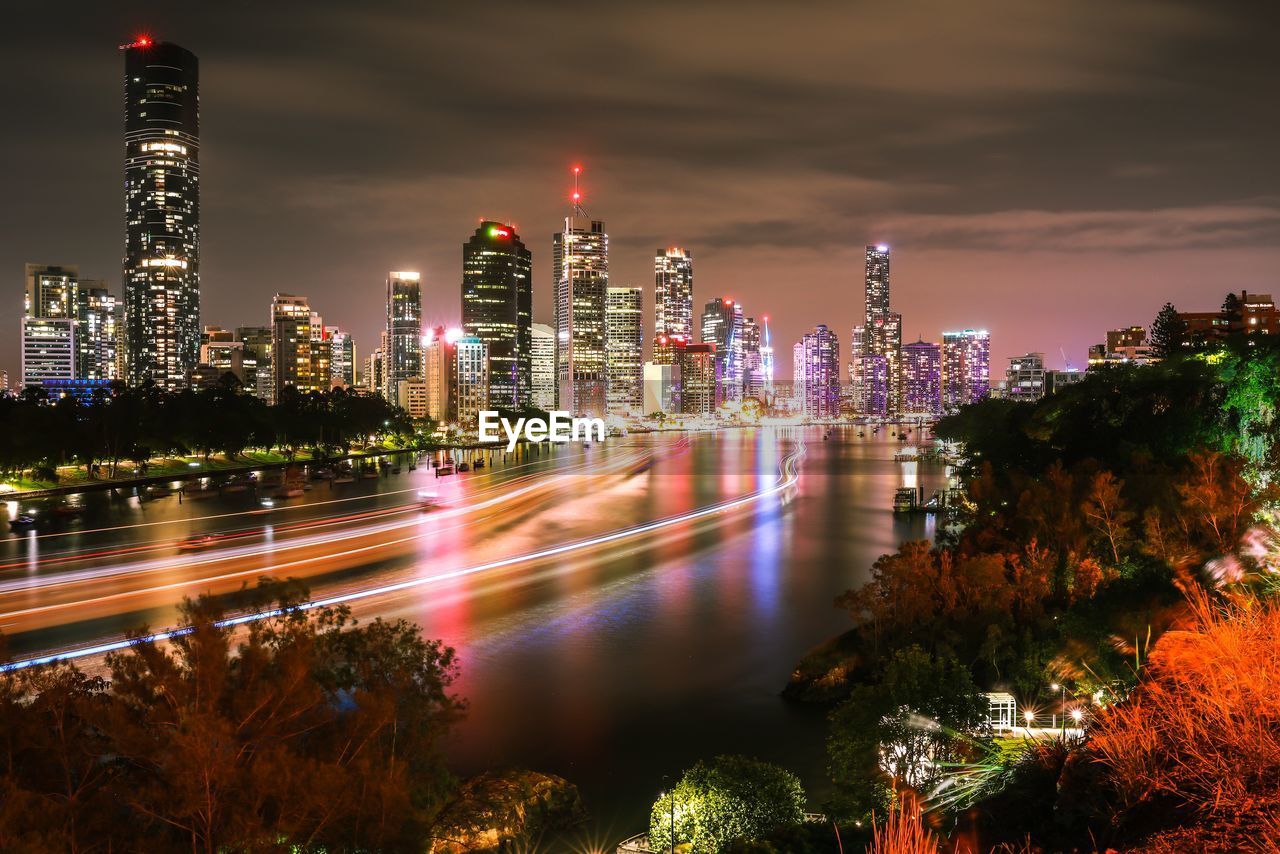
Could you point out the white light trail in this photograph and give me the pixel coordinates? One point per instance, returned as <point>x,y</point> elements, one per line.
<point>787,478</point>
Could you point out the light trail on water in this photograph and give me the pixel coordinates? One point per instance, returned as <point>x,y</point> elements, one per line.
<point>788,476</point>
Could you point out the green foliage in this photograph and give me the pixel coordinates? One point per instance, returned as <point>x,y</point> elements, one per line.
<point>1168,333</point>
<point>730,798</point>
<point>142,422</point>
<point>922,714</point>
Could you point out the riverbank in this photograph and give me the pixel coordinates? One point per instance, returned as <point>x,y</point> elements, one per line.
<point>184,469</point>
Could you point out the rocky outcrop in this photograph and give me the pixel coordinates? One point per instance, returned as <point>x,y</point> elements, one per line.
<point>828,673</point>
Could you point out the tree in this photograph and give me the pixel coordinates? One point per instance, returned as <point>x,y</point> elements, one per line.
<point>921,715</point>
<point>1232,313</point>
<point>300,730</point>
<point>730,798</point>
<point>1168,332</point>
<point>1107,514</point>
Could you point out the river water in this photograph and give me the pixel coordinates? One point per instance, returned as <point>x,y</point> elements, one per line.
<point>614,665</point>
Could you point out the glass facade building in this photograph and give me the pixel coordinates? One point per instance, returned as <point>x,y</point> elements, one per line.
<point>624,350</point>
<point>497,308</point>
<point>402,346</point>
<point>162,213</point>
<point>580,269</point>
<point>673,293</point>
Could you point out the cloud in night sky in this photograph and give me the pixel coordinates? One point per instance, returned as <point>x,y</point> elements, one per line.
<point>1046,170</point>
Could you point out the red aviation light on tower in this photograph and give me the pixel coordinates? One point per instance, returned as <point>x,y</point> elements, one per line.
<point>576,196</point>
<point>141,41</point>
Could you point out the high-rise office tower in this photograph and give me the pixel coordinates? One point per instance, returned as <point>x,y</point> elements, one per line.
<point>497,308</point>
<point>321,355</point>
<point>49,321</point>
<point>882,328</point>
<point>922,378</point>
<point>257,350</point>
<point>820,367</point>
<point>766,361</point>
<point>580,268</point>
<point>752,374</point>
<point>402,350</point>
<point>472,379</point>
<point>870,377</point>
<point>722,325</point>
<point>624,350</point>
<point>440,370</point>
<point>673,293</point>
<point>966,367</point>
<point>222,354</point>
<point>96,333</point>
<point>292,342</point>
<point>700,378</point>
<point>342,356</point>
<point>162,213</point>
<point>542,366</point>
<point>797,376</point>
<point>373,377</point>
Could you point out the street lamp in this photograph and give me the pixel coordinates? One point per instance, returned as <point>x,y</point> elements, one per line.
<point>671,793</point>
<point>1076,715</point>
<point>1062,694</point>
<point>1030,716</point>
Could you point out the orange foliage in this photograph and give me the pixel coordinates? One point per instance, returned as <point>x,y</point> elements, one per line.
<point>904,832</point>
<point>1201,733</point>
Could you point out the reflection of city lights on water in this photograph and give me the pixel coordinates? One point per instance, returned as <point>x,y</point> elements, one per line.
<point>787,478</point>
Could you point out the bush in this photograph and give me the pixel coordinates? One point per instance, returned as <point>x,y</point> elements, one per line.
<point>1194,753</point>
<point>730,798</point>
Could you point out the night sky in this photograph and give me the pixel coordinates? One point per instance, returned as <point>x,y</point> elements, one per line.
<point>1046,170</point>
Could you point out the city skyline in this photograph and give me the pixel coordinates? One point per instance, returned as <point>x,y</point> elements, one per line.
<point>968,247</point>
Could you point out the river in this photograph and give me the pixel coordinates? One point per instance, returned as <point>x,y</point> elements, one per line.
<point>614,663</point>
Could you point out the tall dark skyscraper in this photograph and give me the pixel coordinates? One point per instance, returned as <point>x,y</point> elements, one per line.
<point>497,308</point>
<point>162,213</point>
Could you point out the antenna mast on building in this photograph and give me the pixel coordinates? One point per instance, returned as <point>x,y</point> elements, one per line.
<point>577,195</point>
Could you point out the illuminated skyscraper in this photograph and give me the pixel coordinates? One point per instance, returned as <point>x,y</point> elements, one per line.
<point>882,328</point>
<point>922,378</point>
<point>722,324</point>
<point>96,333</point>
<point>766,361</point>
<point>624,350</point>
<point>543,366</point>
<point>472,374</point>
<point>162,213</point>
<point>49,321</point>
<point>402,350</point>
<point>752,374</point>
<point>257,349</point>
<point>440,370</point>
<point>966,367</point>
<point>870,376</point>
<point>673,293</point>
<point>580,270</point>
<point>820,368</point>
<point>292,342</point>
<point>342,356</point>
<point>497,308</point>
<point>700,379</point>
